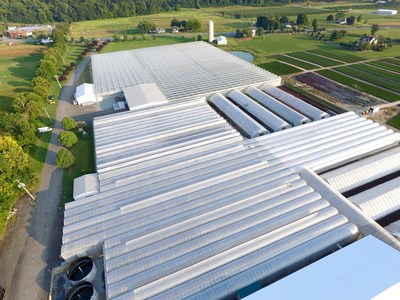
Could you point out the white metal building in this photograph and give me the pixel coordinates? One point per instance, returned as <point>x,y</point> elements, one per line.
<point>379,201</point>
<point>144,96</point>
<point>180,71</point>
<point>364,171</point>
<point>366,269</point>
<point>221,40</point>
<point>388,12</point>
<point>85,95</point>
<point>86,185</point>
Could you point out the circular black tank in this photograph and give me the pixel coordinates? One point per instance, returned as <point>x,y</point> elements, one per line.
<point>81,291</point>
<point>79,269</point>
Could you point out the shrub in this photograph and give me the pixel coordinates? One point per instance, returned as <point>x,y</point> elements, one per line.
<point>72,64</point>
<point>65,158</point>
<point>67,139</point>
<point>68,123</point>
<point>62,78</point>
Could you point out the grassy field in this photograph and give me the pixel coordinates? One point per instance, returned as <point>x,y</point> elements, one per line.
<point>17,67</point>
<point>279,68</point>
<point>385,65</point>
<point>337,53</point>
<point>84,164</point>
<point>325,62</point>
<point>296,62</point>
<point>143,43</point>
<point>377,71</point>
<point>367,88</point>
<point>372,78</point>
<point>395,122</point>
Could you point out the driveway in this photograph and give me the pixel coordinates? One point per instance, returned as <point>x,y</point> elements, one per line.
<point>31,247</point>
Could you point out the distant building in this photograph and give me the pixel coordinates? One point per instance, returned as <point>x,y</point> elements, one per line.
<point>46,41</point>
<point>85,94</point>
<point>18,33</point>
<point>367,39</point>
<point>221,40</point>
<point>174,29</point>
<point>388,12</point>
<point>342,21</point>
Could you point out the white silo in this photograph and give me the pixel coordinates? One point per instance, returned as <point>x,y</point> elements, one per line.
<point>210,31</point>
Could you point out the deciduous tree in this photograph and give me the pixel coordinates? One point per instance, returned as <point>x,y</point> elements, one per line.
<point>65,158</point>
<point>67,139</point>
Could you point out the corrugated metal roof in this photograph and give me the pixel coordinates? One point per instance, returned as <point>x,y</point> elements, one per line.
<point>366,170</point>
<point>295,103</point>
<point>248,126</point>
<point>379,201</point>
<point>143,95</point>
<point>289,114</point>
<point>263,115</point>
<point>180,71</point>
<point>202,215</point>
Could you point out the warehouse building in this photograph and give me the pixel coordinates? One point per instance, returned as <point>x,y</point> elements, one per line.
<point>205,195</point>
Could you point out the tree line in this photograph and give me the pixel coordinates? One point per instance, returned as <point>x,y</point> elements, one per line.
<point>47,11</point>
<point>18,128</point>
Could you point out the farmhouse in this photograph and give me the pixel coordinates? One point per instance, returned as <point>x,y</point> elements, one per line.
<point>342,21</point>
<point>372,40</point>
<point>223,186</point>
<point>175,29</point>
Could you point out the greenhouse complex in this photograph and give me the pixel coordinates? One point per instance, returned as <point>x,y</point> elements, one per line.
<point>229,185</point>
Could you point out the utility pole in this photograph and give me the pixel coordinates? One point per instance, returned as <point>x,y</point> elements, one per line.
<point>23,185</point>
<point>47,114</point>
<point>55,76</point>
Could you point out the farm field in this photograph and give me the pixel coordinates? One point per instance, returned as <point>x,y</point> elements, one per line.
<point>385,65</point>
<point>395,122</point>
<point>393,61</point>
<point>279,68</point>
<point>353,83</point>
<point>372,78</point>
<point>296,62</point>
<point>321,61</point>
<point>339,54</point>
<point>377,71</point>
<point>17,67</point>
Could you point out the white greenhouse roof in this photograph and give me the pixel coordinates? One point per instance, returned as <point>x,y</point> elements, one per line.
<point>180,71</point>
<point>280,109</point>
<point>85,186</point>
<point>295,103</point>
<point>143,96</point>
<point>247,125</point>
<point>366,269</point>
<point>379,201</point>
<point>261,114</point>
<point>189,209</point>
<point>364,171</point>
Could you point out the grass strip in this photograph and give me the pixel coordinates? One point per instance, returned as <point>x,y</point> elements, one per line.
<point>372,78</point>
<point>296,62</point>
<point>376,71</point>
<point>325,62</point>
<point>395,121</point>
<point>385,65</point>
<point>364,87</point>
<point>279,68</point>
<point>339,56</point>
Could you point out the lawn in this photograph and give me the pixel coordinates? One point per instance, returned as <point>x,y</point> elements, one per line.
<point>325,62</point>
<point>364,87</point>
<point>372,78</point>
<point>148,42</point>
<point>17,67</point>
<point>84,164</point>
<point>337,53</point>
<point>296,62</point>
<point>377,71</point>
<point>279,68</point>
<point>395,122</point>
<point>385,65</point>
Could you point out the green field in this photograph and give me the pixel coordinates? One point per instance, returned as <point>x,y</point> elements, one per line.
<point>339,54</point>
<point>325,62</point>
<point>385,65</point>
<point>16,74</point>
<point>367,88</point>
<point>395,122</point>
<point>371,78</point>
<point>281,10</point>
<point>143,43</point>
<point>279,68</point>
<point>393,61</point>
<point>296,62</point>
<point>377,71</point>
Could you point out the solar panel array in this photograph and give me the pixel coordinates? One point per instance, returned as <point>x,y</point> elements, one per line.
<point>180,71</point>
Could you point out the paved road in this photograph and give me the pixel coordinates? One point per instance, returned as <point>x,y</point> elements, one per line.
<point>31,247</point>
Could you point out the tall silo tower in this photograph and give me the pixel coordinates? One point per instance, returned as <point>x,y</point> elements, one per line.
<point>210,31</point>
